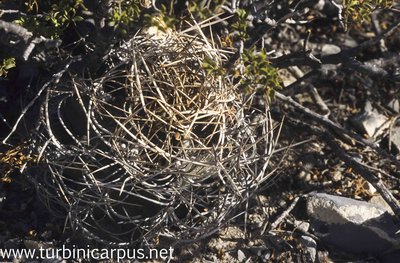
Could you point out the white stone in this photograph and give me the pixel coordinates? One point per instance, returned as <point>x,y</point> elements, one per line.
<point>371,121</point>
<point>353,226</point>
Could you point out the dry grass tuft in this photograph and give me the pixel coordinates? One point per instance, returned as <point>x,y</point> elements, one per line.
<point>157,147</point>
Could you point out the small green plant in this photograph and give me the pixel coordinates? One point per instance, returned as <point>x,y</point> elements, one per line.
<point>205,9</point>
<point>63,13</point>
<point>359,11</point>
<point>258,74</point>
<point>124,14</point>
<point>53,19</point>
<point>6,64</point>
<point>240,24</point>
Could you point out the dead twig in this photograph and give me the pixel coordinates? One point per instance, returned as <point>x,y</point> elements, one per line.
<point>305,59</point>
<point>55,79</point>
<point>259,33</point>
<point>279,220</point>
<point>26,43</point>
<point>365,172</point>
<point>362,169</point>
<point>318,100</point>
<point>341,132</point>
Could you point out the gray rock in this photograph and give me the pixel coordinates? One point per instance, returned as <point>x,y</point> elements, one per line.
<point>302,226</point>
<point>325,49</point>
<point>378,200</point>
<point>370,121</point>
<point>348,41</point>
<point>394,105</point>
<point>395,136</point>
<point>310,245</point>
<point>241,256</point>
<point>328,49</point>
<point>339,210</point>
<point>354,226</point>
